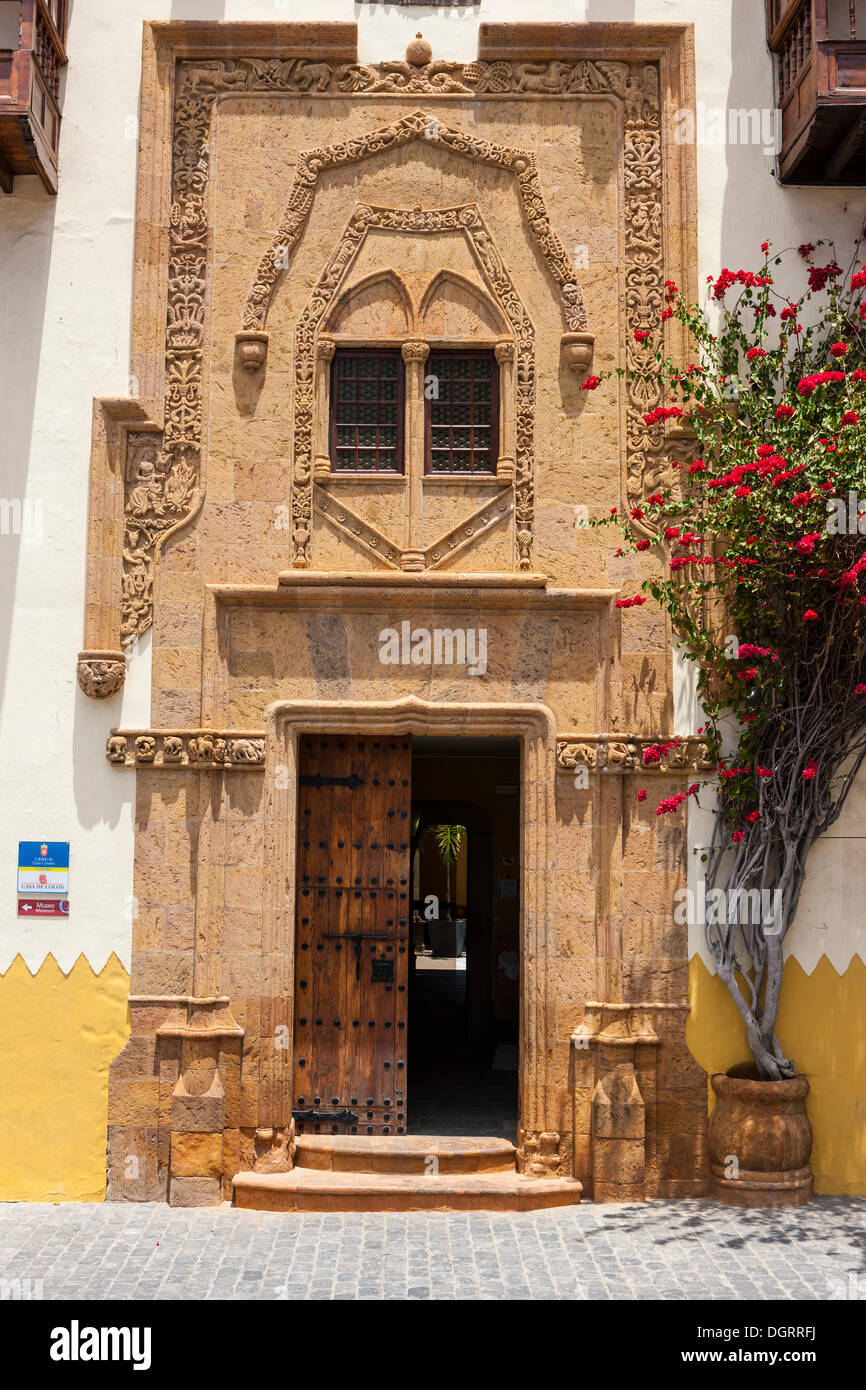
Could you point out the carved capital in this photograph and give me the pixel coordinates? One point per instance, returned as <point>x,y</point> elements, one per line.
<point>415,351</point>
<point>101,674</point>
<point>504,352</point>
<point>326,349</point>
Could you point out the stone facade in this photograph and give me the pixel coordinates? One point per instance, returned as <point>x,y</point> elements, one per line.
<point>292,200</point>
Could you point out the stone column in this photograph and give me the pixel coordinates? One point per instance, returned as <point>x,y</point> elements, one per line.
<point>505,463</point>
<point>321,448</point>
<point>415,354</point>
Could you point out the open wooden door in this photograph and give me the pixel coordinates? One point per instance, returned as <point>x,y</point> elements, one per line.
<point>353,913</point>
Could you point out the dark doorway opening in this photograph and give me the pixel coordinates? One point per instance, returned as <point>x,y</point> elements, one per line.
<point>464,972</point>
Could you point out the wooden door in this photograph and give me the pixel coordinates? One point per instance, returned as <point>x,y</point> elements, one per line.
<point>353,911</point>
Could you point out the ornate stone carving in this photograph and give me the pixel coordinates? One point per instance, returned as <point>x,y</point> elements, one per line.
<point>538,1154</point>
<point>415,221</point>
<point>644,275</point>
<point>467,531</point>
<point>625,753</point>
<point>362,532</point>
<point>101,674</point>
<point>199,749</point>
<point>415,352</point>
<point>163,497</point>
<point>418,125</point>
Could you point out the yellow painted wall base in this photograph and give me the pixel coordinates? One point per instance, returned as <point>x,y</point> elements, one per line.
<point>58,1034</point>
<point>821,1027</point>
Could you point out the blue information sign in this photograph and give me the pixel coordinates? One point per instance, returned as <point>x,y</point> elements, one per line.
<point>43,866</point>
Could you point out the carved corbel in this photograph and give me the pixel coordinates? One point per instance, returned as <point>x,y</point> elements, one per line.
<point>577,352</point>
<point>252,350</point>
<point>101,673</point>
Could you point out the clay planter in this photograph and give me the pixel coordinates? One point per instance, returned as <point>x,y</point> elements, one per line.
<point>764,1125</point>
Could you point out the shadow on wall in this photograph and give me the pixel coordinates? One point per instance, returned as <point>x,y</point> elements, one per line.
<point>26,240</point>
<point>208,9</point>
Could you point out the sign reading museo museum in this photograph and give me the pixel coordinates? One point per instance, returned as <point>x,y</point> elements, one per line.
<point>43,866</point>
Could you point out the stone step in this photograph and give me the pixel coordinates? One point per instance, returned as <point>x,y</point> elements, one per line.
<point>316,1189</point>
<point>404,1154</point>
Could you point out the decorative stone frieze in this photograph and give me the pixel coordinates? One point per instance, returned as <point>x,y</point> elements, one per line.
<point>199,749</point>
<point>633,753</point>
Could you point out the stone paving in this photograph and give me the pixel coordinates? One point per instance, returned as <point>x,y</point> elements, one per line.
<point>663,1250</point>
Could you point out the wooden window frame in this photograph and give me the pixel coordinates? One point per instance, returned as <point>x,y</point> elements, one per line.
<point>493,451</point>
<point>347,350</point>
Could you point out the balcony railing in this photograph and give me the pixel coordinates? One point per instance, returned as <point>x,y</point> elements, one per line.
<point>30,92</point>
<point>819,51</point>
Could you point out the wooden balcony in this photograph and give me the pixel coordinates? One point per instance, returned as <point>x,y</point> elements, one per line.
<point>819,51</point>
<point>30,90</point>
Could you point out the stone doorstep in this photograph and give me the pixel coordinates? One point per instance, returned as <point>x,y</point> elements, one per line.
<point>312,1189</point>
<point>400,1155</point>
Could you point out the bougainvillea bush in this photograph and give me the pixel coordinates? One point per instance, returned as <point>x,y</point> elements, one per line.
<point>764,579</point>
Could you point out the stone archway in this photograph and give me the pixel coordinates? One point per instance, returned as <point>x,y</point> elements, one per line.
<point>539,1131</point>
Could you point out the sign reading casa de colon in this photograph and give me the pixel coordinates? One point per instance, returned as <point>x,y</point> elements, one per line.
<point>43,868</point>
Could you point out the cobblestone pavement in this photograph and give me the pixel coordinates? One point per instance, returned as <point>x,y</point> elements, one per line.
<point>663,1250</point>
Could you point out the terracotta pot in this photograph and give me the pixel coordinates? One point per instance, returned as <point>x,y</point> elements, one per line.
<point>764,1126</point>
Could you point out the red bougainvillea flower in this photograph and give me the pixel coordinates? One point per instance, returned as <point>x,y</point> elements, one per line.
<point>641,335</point>
<point>860,689</point>
<point>806,544</point>
<point>784,412</point>
<point>754,353</point>
<point>698,466</point>
<point>694,789</point>
<point>820,275</point>
<point>636,513</point>
<point>642,545</point>
<point>667,314</point>
<point>742,491</point>
<point>591,383</point>
<point>765,246</point>
<point>671,290</point>
<point>850,418</point>
<point>662,412</point>
<point>656,499</point>
<point>807,384</point>
<point>858,279</point>
<point>810,615</point>
<point>641,796</point>
<point>671,533</point>
<point>859,375</point>
<point>630,602</point>
<point>838,349</point>
<point>806,248</point>
<point>670,803</point>
<point>748,675</point>
<point>809,771</point>
<point>764,771</point>
<point>753,816</point>
<point>737,837</point>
